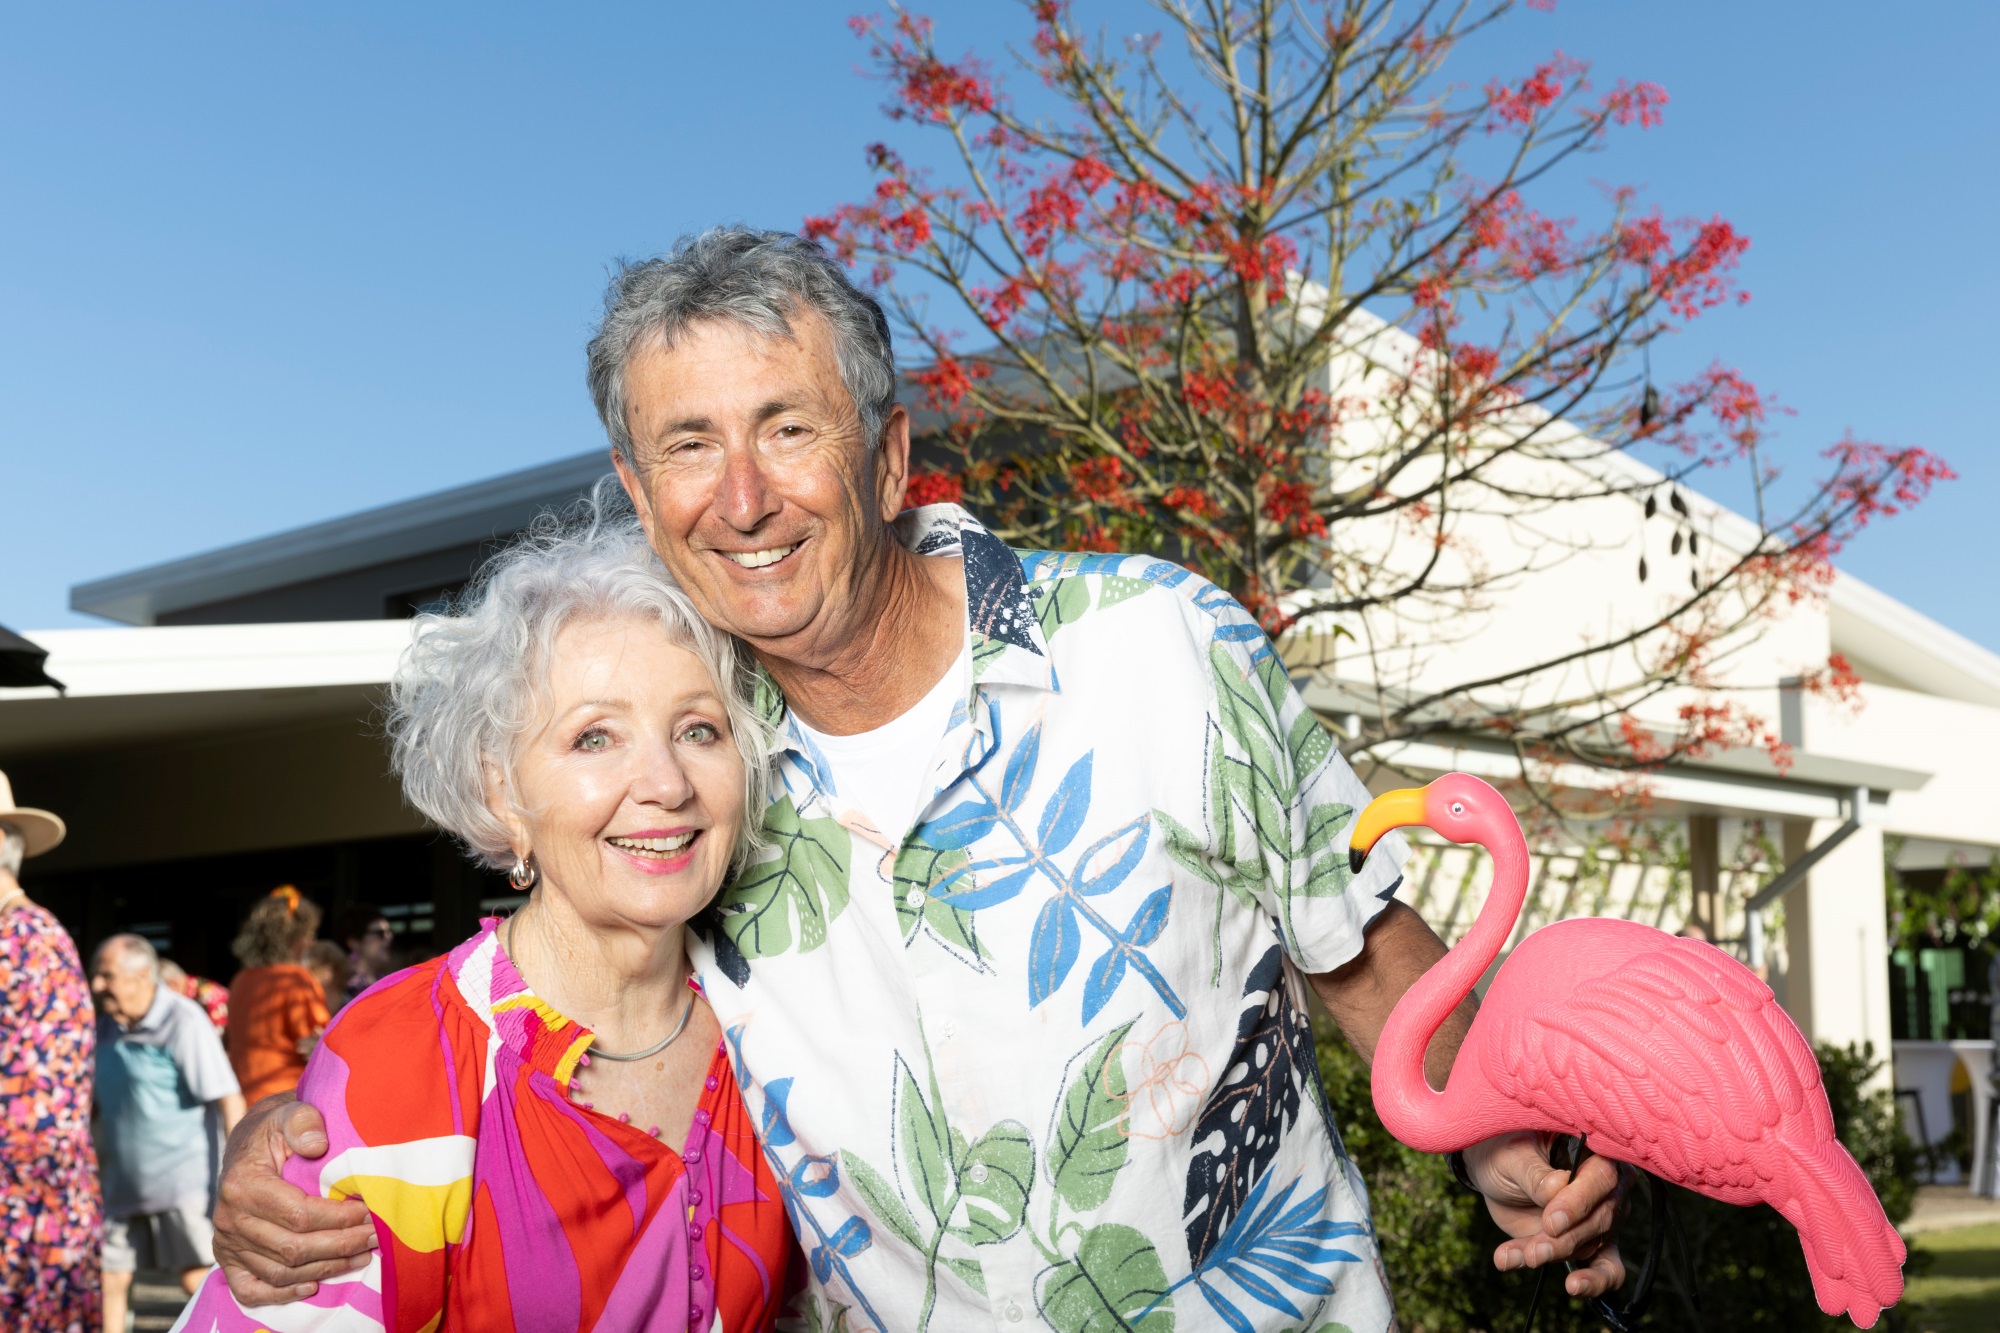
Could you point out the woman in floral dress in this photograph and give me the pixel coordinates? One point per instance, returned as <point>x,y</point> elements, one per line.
<point>51,1222</point>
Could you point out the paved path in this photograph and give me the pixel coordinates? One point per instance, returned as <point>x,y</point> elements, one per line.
<point>156,1301</point>
<point>1946,1207</point>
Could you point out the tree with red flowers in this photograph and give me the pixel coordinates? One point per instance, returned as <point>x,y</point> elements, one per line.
<point>1267,294</point>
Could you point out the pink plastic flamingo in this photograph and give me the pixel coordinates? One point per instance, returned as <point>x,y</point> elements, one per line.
<point>1667,1053</point>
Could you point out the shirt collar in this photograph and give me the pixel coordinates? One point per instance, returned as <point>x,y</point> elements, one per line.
<point>1003,636</point>
<point>526,1024</point>
<point>156,1012</point>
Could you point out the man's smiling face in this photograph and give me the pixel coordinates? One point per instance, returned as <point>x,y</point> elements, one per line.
<point>756,484</point>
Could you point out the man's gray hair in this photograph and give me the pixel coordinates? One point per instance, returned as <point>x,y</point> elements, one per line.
<point>134,952</point>
<point>13,850</point>
<point>761,280</point>
<point>471,685</point>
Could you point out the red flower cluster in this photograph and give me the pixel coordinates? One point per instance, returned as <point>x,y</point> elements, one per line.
<point>1638,101</point>
<point>930,89</point>
<point>1289,504</point>
<point>1693,281</point>
<point>930,488</point>
<point>1875,481</point>
<point>1099,479</point>
<point>1520,104</point>
<point>947,380</point>
<point>1192,502</point>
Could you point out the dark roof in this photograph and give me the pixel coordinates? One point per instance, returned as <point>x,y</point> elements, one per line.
<point>462,515</point>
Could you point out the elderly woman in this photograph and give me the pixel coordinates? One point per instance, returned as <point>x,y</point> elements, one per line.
<point>51,1219</point>
<point>276,1007</point>
<point>543,1123</point>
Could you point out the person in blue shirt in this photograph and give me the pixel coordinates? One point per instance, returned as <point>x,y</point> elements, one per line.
<point>164,1088</point>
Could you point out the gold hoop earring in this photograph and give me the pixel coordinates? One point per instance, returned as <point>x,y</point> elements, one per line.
<point>524,874</point>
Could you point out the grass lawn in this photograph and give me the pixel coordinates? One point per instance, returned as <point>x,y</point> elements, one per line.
<point>1961,1292</point>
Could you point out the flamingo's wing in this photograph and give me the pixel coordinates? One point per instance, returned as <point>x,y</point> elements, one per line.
<point>1679,1060</point>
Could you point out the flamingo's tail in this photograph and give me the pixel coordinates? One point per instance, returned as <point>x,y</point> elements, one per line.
<point>1854,1254</point>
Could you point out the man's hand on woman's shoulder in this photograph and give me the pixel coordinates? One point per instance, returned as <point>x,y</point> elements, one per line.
<point>274,1241</point>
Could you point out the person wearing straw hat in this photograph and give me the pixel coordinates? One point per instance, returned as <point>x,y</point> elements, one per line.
<point>51,1218</point>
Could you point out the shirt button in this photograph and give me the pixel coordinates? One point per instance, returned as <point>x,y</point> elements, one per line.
<point>694,1197</point>
<point>1015,1314</point>
<point>914,900</point>
<point>709,1083</point>
<point>692,1156</point>
<point>694,1231</point>
<point>694,1316</point>
<point>947,1029</point>
<point>697,1272</point>
<point>978,1173</point>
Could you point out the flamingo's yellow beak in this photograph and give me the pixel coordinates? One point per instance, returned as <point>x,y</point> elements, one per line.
<point>1390,810</point>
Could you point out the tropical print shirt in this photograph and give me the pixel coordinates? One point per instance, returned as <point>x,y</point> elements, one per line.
<point>1045,1063</point>
<point>500,1204</point>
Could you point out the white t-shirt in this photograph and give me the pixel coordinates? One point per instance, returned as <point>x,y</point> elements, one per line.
<point>881,772</point>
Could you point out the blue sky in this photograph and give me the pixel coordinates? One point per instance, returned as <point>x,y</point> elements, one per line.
<point>262,265</point>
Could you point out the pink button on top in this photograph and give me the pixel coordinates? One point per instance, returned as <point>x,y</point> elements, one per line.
<point>710,1083</point>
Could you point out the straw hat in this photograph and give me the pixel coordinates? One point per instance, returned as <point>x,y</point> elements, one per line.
<point>41,829</point>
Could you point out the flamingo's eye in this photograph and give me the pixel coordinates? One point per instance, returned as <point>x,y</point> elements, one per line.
<point>1458,807</point>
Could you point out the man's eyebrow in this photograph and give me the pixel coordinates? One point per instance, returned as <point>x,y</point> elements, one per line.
<point>706,425</point>
<point>686,425</point>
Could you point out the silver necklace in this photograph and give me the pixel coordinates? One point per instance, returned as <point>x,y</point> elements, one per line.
<point>596,1052</point>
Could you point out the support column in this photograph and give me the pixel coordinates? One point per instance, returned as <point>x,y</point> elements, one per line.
<point>1836,940</point>
<point>1705,875</point>
<point>1796,994</point>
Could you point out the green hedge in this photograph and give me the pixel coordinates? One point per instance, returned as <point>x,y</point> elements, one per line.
<point>1437,1241</point>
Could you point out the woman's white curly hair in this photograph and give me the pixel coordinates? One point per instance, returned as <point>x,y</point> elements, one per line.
<point>474,679</point>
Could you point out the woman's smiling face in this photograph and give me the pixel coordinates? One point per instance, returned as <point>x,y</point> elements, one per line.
<point>629,787</point>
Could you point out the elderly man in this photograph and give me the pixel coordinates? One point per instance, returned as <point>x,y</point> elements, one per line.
<point>162,1082</point>
<point>1018,995</point>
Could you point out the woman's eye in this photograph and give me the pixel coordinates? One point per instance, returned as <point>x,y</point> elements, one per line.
<point>701,733</point>
<point>593,740</point>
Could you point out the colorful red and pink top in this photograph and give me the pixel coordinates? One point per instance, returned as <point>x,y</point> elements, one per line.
<point>502,1205</point>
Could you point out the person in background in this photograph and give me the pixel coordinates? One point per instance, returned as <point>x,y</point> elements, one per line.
<point>51,1221</point>
<point>368,937</point>
<point>274,1002</point>
<point>212,996</point>
<point>327,962</point>
<point>163,1083</point>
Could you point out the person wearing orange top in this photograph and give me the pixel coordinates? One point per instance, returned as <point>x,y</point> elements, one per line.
<point>275,1005</point>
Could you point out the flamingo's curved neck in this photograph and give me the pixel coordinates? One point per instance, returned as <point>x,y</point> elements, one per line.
<point>1409,1107</point>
